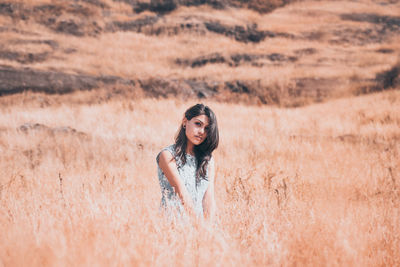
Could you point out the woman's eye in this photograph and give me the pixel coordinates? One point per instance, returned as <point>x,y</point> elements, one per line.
<point>198,123</point>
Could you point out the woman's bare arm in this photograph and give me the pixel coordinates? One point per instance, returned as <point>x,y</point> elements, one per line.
<point>209,205</point>
<point>167,164</point>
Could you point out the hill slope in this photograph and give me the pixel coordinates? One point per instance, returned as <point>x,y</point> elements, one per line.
<point>254,51</point>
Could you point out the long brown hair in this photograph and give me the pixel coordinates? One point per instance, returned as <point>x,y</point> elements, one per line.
<point>203,152</point>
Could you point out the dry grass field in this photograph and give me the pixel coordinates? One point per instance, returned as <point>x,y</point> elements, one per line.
<point>317,185</point>
<point>308,104</point>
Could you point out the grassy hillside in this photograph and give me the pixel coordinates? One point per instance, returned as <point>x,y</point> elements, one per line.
<point>282,53</point>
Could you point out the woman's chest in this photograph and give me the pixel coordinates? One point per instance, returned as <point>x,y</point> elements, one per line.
<point>187,174</point>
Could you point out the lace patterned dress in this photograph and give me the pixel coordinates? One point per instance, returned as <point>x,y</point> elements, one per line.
<point>187,173</point>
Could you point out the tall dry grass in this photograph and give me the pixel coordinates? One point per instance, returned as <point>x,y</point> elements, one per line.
<point>317,185</point>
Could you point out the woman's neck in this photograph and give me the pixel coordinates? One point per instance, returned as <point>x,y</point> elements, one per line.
<point>190,148</point>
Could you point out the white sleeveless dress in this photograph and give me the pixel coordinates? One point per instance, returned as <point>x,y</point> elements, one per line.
<point>187,173</point>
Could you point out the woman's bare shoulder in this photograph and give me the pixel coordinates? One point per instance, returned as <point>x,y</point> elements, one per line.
<point>166,154</point>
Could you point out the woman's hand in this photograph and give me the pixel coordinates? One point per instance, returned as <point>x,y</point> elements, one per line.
<point>209,205</point>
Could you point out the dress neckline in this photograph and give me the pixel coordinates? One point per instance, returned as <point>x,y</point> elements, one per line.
<point>190,155</point>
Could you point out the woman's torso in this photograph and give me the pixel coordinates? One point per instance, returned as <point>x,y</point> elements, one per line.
<point>187,173</point>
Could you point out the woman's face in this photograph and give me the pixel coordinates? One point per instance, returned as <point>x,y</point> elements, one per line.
<point>196,129</point>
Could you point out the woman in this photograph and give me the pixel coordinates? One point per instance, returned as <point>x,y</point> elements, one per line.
<point>186,168</point>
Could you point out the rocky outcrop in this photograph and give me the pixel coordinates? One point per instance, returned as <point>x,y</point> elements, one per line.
<point>35,127</point>
<point>234,60</point>
<point>305,51</point>
<point>380,29</point>
<point>18,80</point>
<point>50,43</point>
<point>388,79</point>
<point>385,80</point>
<point>201,61</point>
<point>239,33</point>
<point>160,7</point>
<point>97,3</point>
<point>137,25</point>
<point>254,91</point>
<point>389,23</point>
<point>166,6</point>
<point>261,6</point>
<point>81,20</point>
<point>149,26</point>
<point>29,57</point>
<point>23,58</point>
<point>157,87</point>
<point>13,10</point>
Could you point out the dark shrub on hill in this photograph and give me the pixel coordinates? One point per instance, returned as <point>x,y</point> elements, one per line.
<point>165,6</point>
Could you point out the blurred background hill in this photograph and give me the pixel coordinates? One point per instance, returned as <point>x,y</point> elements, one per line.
<point>286,53</point>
